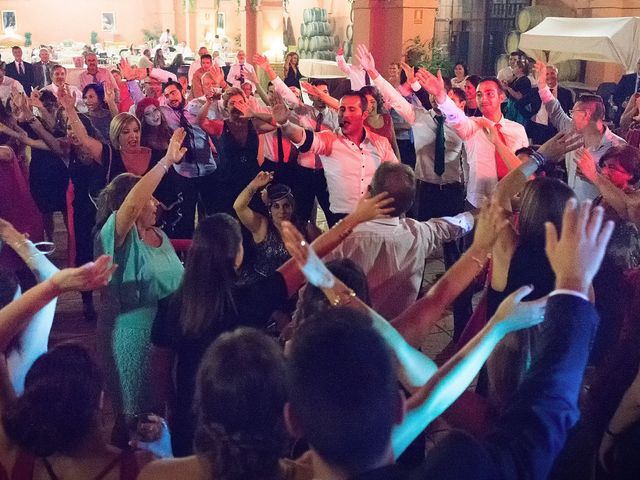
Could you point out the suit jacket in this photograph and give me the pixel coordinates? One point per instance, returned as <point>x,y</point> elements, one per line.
<point>39,73</point>
<point>626,87</point>
<point>26,79</point>
<point>529,435</point>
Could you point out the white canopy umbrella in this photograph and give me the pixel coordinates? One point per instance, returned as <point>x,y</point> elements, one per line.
<point>614,40</point>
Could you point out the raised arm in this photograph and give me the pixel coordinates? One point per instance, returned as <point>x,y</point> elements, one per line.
<point>254,222</point>
<point>463,125</point>
<point>295,133</point>
<point>389,93</point>
<point>279,86</point>
<point>368,208</point>
<point>557,116</point>
<point>89,144</point>
<point>415,322</point>
<point>110,99</point>
<point>415,367</point>
<point>142,191</point>
<point>331,102</point>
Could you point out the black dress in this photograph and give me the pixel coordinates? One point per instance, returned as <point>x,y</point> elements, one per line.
<point>254,303</point>
<point>237,166</point>
<point>293,78</point>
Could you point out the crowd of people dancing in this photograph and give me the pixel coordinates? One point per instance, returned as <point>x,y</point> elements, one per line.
<point>240,336</point>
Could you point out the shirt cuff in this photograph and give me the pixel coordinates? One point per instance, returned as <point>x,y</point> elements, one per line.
<point>463,220</point>
<point>415,86</point>
<point>545,94</point>
<point>452,113</point>
<point>563,291</point>
<point>304,139</point>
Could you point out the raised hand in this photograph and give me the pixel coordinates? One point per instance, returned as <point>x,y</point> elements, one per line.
<point>489,129</point>
<point>217,73</point>
<point>310,264</point>
<point>65,99</point>
<point>311,90</point>
<point>9,234</point>
<point>176,151</point>
<point>109,94</point>
<point>262,179</point>
<point>408,71</point>
<point>554,149</point>
<point>371,208</point>
<point>432,84</point>
<point>251,76</point>
<point>280,112</point>
<point>576,256</point>
<point>35,98</point>
<point>127,71</point>
<point>513,314</point>
<point>88,277</point>
<point>365,58</point>
<point>490,222</point>
<point>261,61</point>
<point>541,74</point>
<point>586,165</point>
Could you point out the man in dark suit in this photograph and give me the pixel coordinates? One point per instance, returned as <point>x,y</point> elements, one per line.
<point>20,70</point>
<point>627,86</point>
<point>42,70</point>
<point>538,127</point>
<point>344,398</point>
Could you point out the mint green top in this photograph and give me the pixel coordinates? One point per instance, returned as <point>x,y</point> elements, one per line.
<point>144,276</point>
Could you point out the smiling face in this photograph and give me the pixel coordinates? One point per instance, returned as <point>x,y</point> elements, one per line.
<point>489,97</point>
<point>152,116</point>
<point>17,54</point>
<point>153,88</point>
<point>615,172</point>
<point>281,210</point>
<point>206,63</point>
<point>459,71</point>
<point>241,57</point>
<point>552,77</point>
<point>469,90</point>
<point>129,137</point>
<point>372,104</point>
<point>91,99</point>
<point>173,96</point>
<point>350,115</point>
<point>580,115</point>
<point>44,55</point>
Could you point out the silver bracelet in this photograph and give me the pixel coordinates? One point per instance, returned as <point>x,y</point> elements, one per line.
<point>166,169</point>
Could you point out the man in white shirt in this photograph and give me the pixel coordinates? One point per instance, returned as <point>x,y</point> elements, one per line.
<point>166,40</point>
<point>392,251</point>
<point>587,119</point>
<point>238,72</point>
<point>309,178</point>
<point>60,80</point>
<point>7,84</point>
<point>486,166</point>
<point>350,156</point>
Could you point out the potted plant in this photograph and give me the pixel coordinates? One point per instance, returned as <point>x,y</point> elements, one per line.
<point>94,38</point>
<point>27,39</point>
<point>416,51</point>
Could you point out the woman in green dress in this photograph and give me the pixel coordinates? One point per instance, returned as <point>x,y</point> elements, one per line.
<point>149,271</point>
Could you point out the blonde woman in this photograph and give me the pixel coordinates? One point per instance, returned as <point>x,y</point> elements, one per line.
<point>292,74</point>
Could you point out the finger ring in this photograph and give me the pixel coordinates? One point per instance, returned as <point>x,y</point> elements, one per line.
<point>303,243</point>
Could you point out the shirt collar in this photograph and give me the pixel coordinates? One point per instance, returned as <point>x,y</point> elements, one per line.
<point>367,135</point>
<point>392,221</point>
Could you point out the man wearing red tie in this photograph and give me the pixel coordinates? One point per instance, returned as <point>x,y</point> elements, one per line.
<point>486,166</point>
<point>20,70</point>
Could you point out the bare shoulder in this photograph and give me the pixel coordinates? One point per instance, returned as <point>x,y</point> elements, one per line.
<point>187,467</point>
<point>6,153</point>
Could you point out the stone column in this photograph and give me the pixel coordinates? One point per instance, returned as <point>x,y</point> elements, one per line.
<point>386,25</point>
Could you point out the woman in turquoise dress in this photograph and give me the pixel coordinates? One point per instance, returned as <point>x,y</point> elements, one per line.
<point>148,272</point>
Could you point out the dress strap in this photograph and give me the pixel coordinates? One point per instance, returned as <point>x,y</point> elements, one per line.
<point>49,468</point>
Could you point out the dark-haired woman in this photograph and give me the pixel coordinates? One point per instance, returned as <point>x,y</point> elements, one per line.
<point>379,120</point>
<point>519,259</point>
<point>210,301</point>
<point>460,75</point>
<point>101,105</point>
<point>270,251</point>
<point>149,272</point>
<point>240,396</point>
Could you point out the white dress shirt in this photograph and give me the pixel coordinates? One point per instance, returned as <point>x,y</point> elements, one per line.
<point>348,167</point>
<point>233,77</point>
<point>356,75</point>
<point>583,189</point>
<point>480,151</point>
<point>5,88</point>
<point>102,76</point>
<point>73,90</point>
<point>425,127</point>
<point>392,254</point>
<point>193,68</point>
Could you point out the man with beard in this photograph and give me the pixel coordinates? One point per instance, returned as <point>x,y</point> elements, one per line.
<point>350,156</point>
<point>192,176</point>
